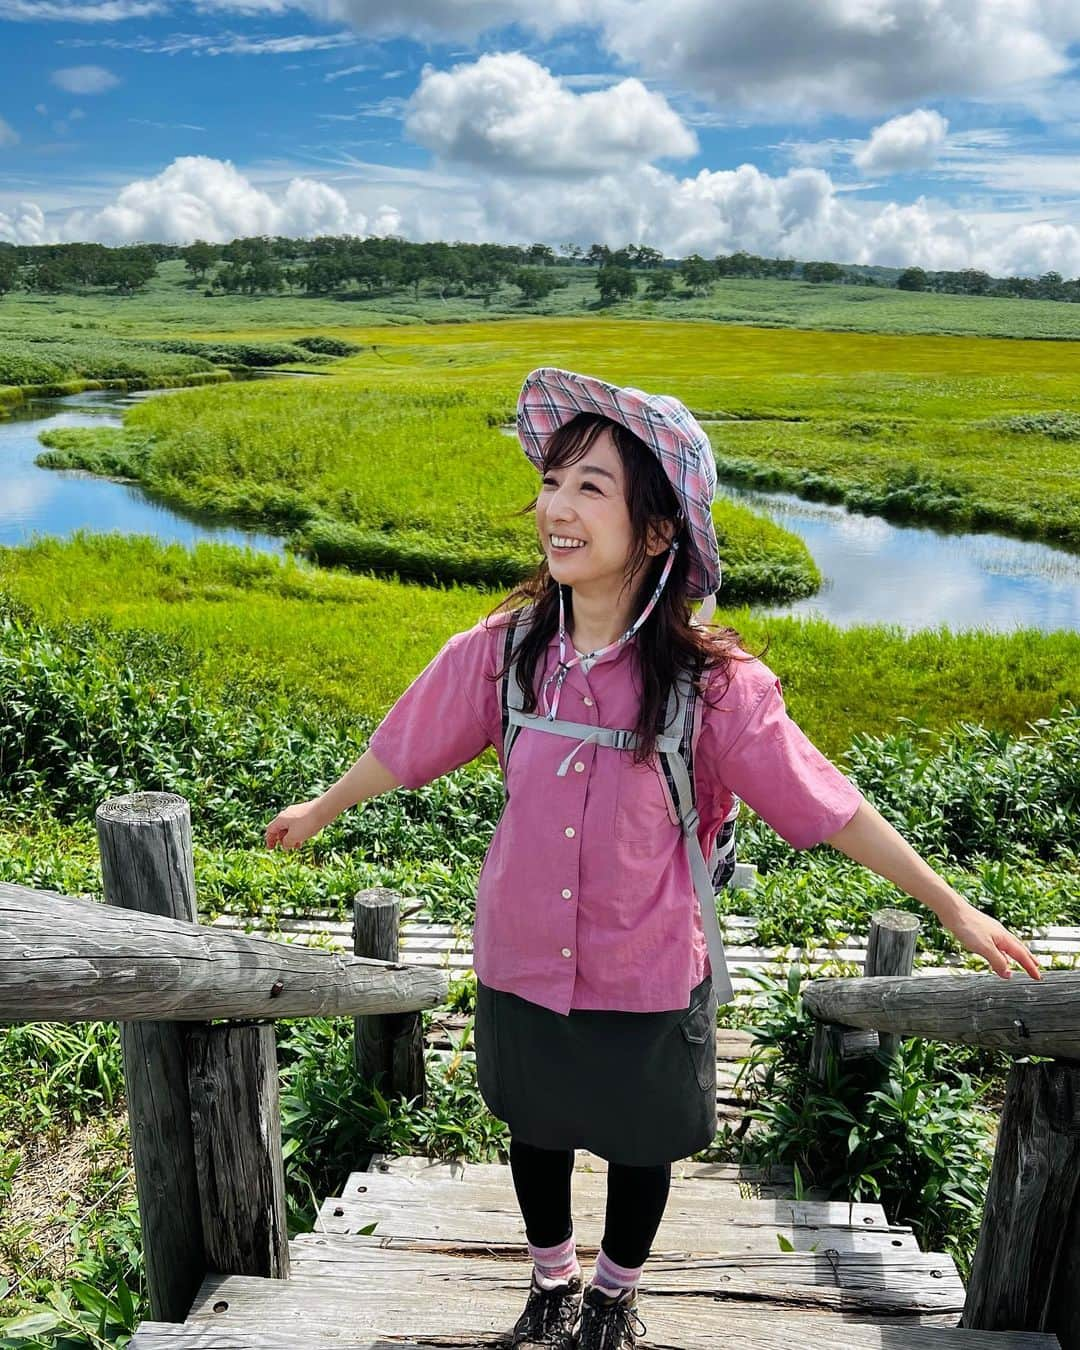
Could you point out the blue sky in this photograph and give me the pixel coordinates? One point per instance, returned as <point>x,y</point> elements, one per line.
<point>888,131</point>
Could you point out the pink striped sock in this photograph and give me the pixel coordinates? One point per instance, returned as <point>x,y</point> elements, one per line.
<point>612,1279</point>
<point>554,1265</point>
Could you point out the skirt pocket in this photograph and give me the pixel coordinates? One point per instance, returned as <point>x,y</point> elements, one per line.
<point>698,1028</point>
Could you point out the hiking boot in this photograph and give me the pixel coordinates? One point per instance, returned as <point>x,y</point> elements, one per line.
<point>609,1323</point>
<point>550,1316</point>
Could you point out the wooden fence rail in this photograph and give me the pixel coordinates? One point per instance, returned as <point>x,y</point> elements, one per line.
<point>1026,1272</point>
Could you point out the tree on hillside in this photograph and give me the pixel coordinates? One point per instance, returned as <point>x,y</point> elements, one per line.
<point>534,283</point>
<point>972,281</point>
<point>822,271</point>
<point>697,274</point>
<point>615,283</point>
<point>9,273</point>
<point>543,254</point>
<point>598,255</point>
<point>644,256</point>
<point>199,257</point>
<point>911,279</point>
<point>661,284</point>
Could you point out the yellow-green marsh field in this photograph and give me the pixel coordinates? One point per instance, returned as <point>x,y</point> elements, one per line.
<point>355,642</point>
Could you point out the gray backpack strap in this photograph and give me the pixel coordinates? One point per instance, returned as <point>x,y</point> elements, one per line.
<point>682,713</point>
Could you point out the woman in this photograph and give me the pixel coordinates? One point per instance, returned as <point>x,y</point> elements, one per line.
<point>596,987</point>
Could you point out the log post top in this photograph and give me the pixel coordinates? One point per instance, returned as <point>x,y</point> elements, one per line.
<point>143,808</point>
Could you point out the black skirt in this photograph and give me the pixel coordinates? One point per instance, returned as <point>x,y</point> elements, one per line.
<point>634,1088</point>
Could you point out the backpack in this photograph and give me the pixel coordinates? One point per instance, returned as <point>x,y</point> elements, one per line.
<point>676,755</point>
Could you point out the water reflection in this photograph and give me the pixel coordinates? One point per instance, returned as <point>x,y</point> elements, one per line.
<point>917,577</point>
<point>55,502</point>
<point>873,571</point>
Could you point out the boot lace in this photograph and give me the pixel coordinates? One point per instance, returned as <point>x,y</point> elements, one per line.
<point>610,1326</point>
<point>549,1316</point>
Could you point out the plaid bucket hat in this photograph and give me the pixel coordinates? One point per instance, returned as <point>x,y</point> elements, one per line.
<point>550,397</point>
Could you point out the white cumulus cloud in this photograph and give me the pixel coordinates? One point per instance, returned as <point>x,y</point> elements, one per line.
<point>24,224</point>
<point>850,56</point>
<point>912,141</point>
<point>769,58</point>
<point>507,111</point>
<point>801,214</point>
<point>85,79</point>
<point>8,134</point>
<point>198,197</point>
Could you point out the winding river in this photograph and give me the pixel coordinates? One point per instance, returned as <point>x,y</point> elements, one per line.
<point>874,571</point>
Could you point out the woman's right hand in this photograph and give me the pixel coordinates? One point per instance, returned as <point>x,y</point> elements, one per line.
<point>293,825</point>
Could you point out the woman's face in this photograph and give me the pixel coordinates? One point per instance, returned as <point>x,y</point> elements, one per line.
<point>587,501</point>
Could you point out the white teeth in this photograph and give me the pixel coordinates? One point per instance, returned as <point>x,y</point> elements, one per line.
<point>562,541</point>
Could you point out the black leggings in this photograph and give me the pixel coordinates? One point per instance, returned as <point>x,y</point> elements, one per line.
<point>636,1197</point>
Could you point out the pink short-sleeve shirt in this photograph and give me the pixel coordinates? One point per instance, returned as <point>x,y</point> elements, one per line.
<point>585,898</point>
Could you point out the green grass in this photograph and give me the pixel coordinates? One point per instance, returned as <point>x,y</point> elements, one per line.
<point>984,474</point>
<point>354,643</point>
<point>422,484</point>
<point>173,304</point>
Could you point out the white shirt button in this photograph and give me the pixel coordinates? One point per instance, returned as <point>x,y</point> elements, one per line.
<point>569,831</point>
<point>566,951</point>
<point>578,766</point>
<point>567,894</point>
<point>587,701</point>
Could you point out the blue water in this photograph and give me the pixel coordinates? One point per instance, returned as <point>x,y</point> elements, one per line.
<point>917,577</point>
<point>58,502</point>
<point>874,571</point>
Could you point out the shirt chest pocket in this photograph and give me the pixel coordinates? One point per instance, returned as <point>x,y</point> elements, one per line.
<point>643,805</point>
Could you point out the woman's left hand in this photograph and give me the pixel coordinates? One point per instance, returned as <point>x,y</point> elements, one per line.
<point>984,936</point>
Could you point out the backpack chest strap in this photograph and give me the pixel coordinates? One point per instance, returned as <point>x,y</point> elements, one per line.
<point>618,738</point>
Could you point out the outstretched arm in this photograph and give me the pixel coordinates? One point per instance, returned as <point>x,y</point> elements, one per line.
<point>872,841</point>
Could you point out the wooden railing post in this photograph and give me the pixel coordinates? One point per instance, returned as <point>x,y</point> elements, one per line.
<point>236,1121</point>
<point>202,1099</point>
<point>1026,1269</point>
<point>890,950</point>
<point>146,864</point>
<point>390,1045</point>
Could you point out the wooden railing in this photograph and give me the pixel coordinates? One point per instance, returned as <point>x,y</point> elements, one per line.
<point>1025,1275</point>
<point>202,1096</point>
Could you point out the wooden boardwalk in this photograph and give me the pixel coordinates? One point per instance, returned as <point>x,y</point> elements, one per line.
<point>446,1267</point>
<point>438,944</point>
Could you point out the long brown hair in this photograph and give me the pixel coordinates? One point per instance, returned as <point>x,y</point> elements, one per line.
<point>667,641</point>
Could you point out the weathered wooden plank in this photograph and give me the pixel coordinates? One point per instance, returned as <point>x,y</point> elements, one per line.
<point>700,1216</point>
<point>1029,1017</point>
<point>306,1247</point>
<point>913,1280</point>
<point>732,1045</point>
<point>67,960</point>
<point>236,1126</point>
<point>176,1336</point>
<point>679,1231</point>
<point>419,1295</point>
<point>741,1327</point>
<point>1029,1242</point>
<point>148,876</point>
<point>751,1182</point>
<point>739,928</point>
